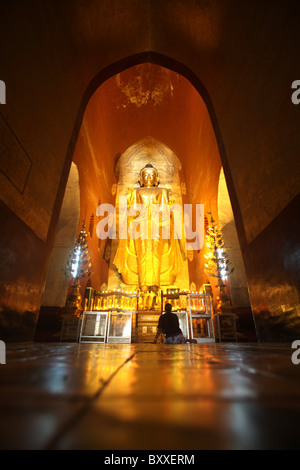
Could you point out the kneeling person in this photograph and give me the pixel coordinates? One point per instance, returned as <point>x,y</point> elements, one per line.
<point>168,324</point>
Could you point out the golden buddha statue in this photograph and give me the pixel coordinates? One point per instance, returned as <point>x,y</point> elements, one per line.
<point>149,256</point>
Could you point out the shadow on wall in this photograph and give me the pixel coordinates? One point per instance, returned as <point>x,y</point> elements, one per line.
<point>15,326</point>
<point>49,324</point>
<point>56,287</point>
<point>278,328</point>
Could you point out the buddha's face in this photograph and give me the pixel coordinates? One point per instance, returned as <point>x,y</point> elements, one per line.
<point>149,177</point>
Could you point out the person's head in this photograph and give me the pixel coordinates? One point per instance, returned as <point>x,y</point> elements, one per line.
<point>168,308</point>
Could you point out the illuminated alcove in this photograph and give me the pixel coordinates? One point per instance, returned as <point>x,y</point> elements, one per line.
<point>137,114</point>
<point>145,101</point>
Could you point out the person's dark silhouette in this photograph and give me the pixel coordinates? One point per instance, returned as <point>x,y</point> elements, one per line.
<point>168,325</point>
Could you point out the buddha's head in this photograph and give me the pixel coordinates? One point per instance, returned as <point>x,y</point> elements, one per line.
<point>149,176</point>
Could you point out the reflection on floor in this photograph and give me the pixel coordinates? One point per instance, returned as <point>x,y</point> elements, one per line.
<point>146,396</point>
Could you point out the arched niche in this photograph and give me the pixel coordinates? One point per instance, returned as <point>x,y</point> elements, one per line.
<point>127,171</point>
<point>149,150</point>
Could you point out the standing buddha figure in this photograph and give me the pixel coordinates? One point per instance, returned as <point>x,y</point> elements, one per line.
<point>149,256</point>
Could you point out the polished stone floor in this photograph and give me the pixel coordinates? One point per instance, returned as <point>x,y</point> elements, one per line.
<point>146,396</point>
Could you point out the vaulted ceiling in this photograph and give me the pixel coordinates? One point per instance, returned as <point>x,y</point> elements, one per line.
<point>149,100</point>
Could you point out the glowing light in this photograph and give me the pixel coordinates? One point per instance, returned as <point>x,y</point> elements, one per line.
<point>75,265</point>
